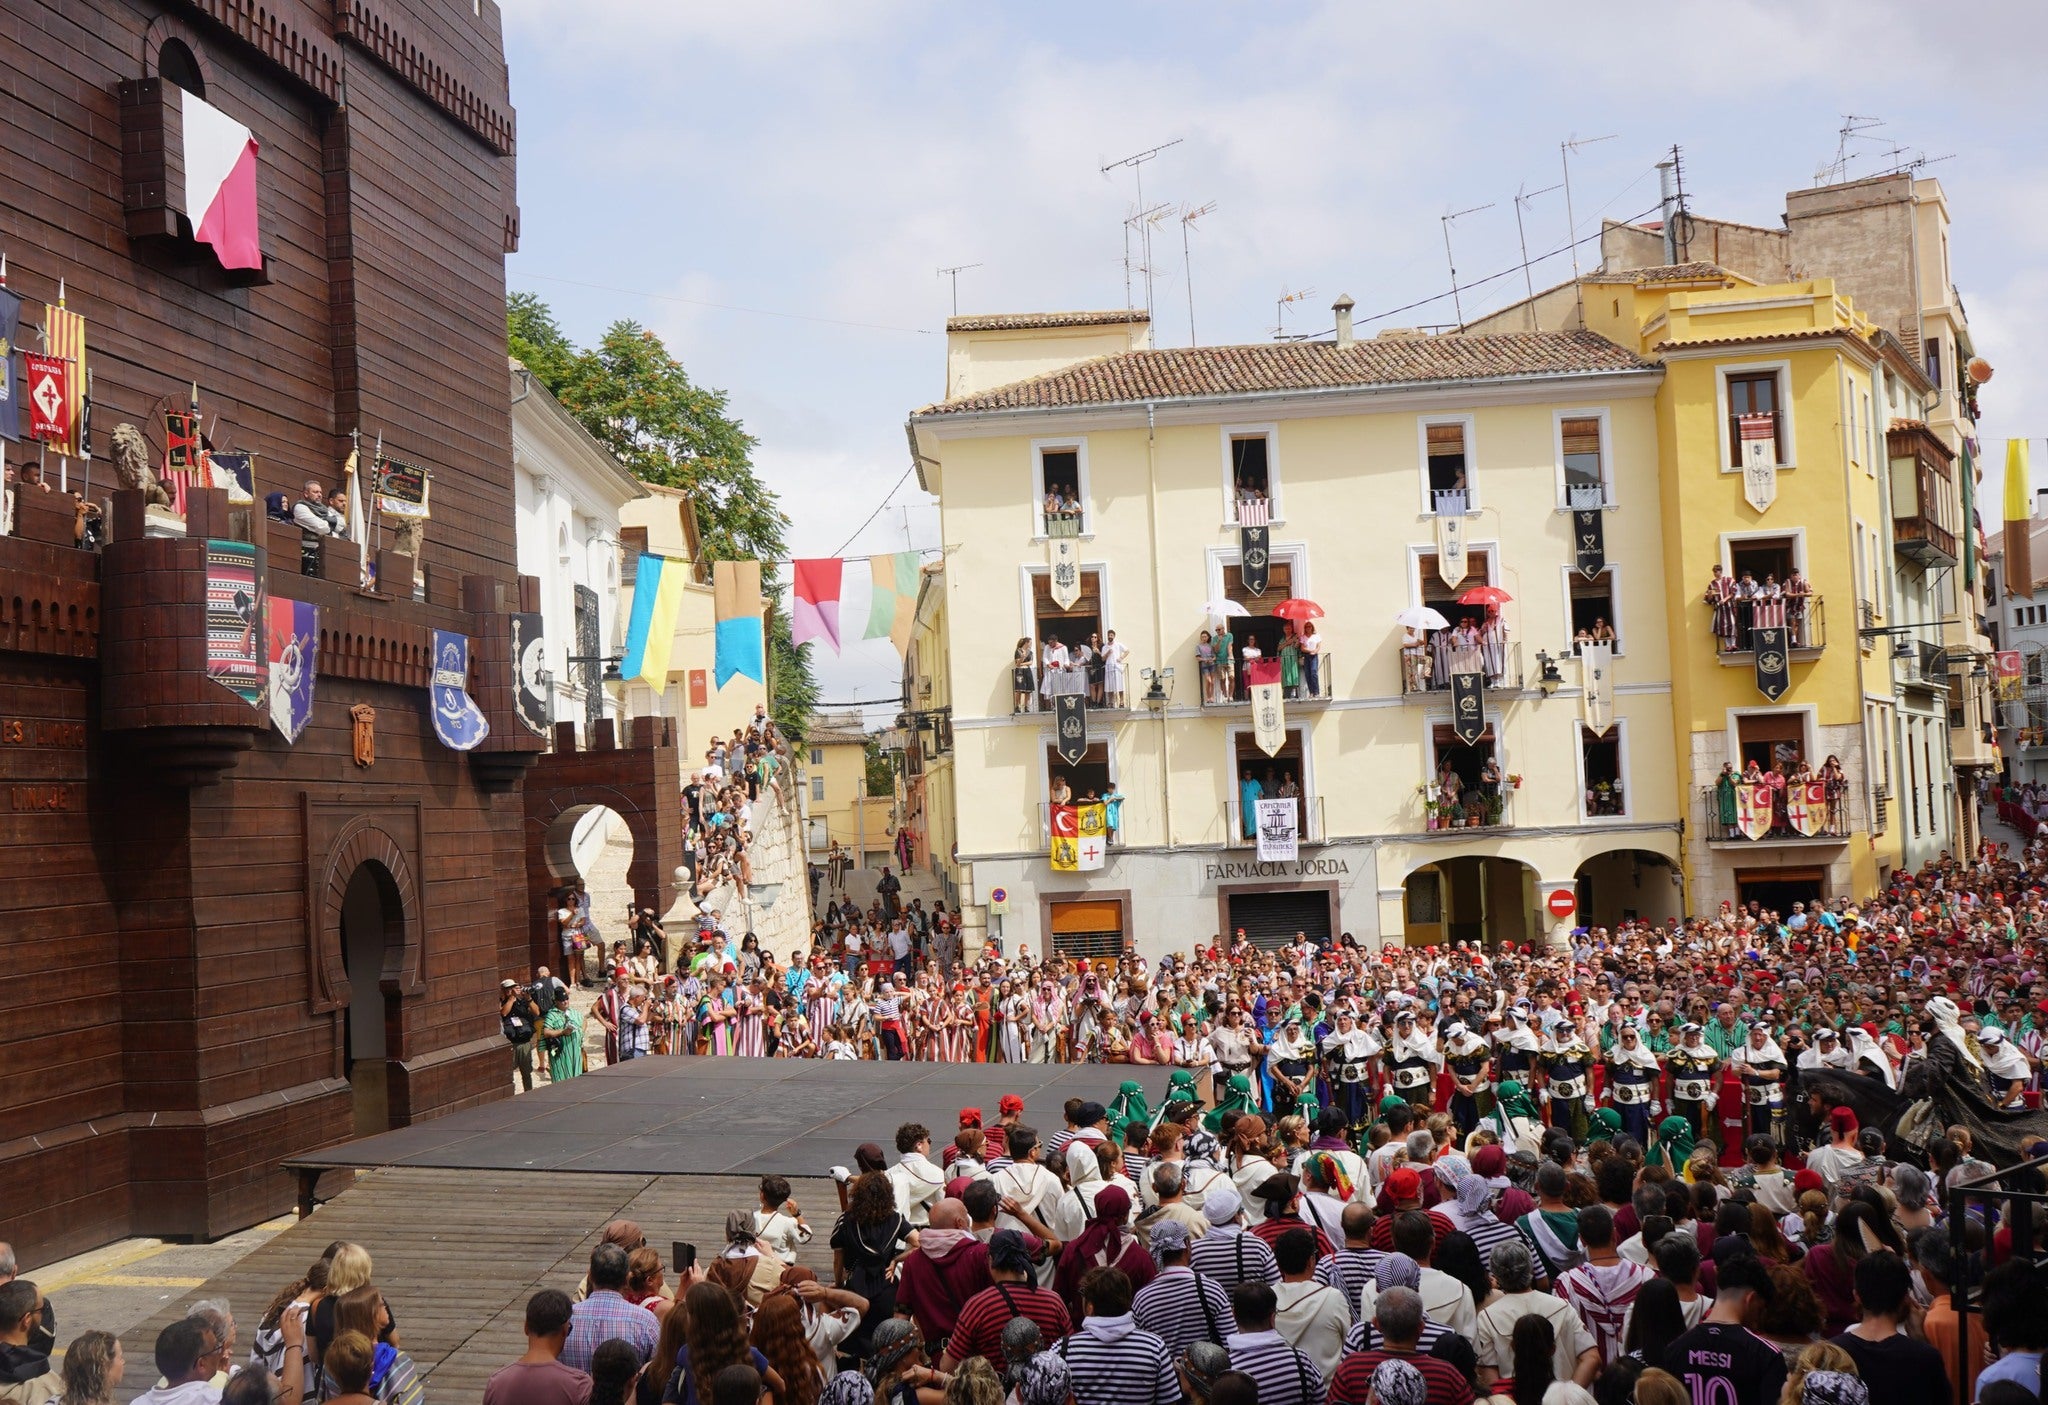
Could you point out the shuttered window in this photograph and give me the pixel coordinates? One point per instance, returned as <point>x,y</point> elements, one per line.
<point>1446,439</point>
<point>1279,586</point>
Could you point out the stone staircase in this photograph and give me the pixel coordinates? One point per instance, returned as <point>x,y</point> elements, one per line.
<point>779,874</point>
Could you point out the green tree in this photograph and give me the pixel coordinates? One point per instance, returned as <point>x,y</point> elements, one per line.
<point>881,768</point>
<point>640,403</point>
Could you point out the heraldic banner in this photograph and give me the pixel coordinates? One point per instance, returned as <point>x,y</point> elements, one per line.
<point>1450,549</point>
<point>294,630</point>
<point>529,659</point>
<point>1255,559</point>
<point>1468,707</point>
<point>1773,673</point>
<point>1596,668</point>
<point>1279,830</point>
<point>1079,837</point>
<point>458,721</point>
<point>1589,541</point>
<point>1070,727</point>
<point>1806,806</point>
<point>1063,570</point>
<point>235,656</point>
<point>402,489</point>
<point>1753,809</point>
<point>1269,709</point>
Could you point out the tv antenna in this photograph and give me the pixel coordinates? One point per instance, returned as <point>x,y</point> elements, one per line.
<point>1141,222</point>
<point>1565,149</point>
<point>1280,309</point>
<point>1522,199</point>
<point>954,274</point>
<point>1457,303</point>
<point>1187,263</point>
<point>1853,127</point>
<point>1136,163</point>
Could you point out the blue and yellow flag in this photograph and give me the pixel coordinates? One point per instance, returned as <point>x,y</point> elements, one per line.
<point>651,629</point>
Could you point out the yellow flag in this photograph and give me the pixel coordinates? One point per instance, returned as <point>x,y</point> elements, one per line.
<point>1066,854</point>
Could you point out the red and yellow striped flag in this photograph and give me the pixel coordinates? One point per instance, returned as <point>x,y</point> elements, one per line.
<point>64,338</point>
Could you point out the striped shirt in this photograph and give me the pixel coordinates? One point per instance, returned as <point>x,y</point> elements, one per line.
<point>1488,1230</point>
<point>1230,1256</point>
<point>1603,1295</point>
<point>978,1331</point>
<point>1181,1307</point>
<point>1285,1376</point>
<point>1364,1336</point>
<point>1349,1270</point>
<point>1443,1381</point>
<point>1112,1361</point>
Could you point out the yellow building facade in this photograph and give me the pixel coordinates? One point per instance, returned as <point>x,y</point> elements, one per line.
<point>1372,460</point>
<point>1798,366</point>
<point>835,800</point>
<point>925,730</point>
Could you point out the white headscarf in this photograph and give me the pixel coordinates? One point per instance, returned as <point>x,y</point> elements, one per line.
<point>1749,1054</point>
<point>1416,1046</point>
<point>1518,1034</point>
<point>1949,1021</point>
<point>1862,1047</point>
<point>1291,1044</point>
<point>1639,1057</point>
<point>1462,1041</point>
<point>2001,1060</point>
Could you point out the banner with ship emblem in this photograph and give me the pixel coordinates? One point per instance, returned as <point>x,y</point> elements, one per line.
<point>1773,672</point>
<point>1279,830</point>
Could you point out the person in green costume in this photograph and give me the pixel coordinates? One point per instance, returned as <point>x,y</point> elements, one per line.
<point>1672,1146</point>
<point>562,1036</point>
<point>1129,1106</point>
<point>1604,1125</point>
<point>1237,1097</point>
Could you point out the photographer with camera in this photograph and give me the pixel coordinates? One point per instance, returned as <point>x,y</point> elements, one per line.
<point>644,925</point>
<point>519,1016</point>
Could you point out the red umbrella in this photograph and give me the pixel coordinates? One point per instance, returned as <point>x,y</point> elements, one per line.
<point>1485,595</point>
<point>1298,609</point>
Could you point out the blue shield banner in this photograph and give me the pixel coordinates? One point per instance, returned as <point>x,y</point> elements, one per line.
<point>458,721</point>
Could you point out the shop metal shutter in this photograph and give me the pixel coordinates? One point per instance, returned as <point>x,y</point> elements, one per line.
<point>1271,919</point>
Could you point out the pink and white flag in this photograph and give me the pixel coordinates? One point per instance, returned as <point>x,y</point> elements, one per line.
<point>220,183</point>
<point>815,614</point>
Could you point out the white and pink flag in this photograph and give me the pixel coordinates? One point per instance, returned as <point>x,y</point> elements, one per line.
<point>220,183</point>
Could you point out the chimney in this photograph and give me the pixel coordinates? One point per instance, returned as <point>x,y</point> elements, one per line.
<point>1342,307</point>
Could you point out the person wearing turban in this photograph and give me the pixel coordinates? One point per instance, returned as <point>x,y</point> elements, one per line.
<point>1672,1146</point>
<point>1129,1106</point>
<point>1515,1117</point>
<point>1603,1126</point>
<point>1106,1242</point>
<point>1237,1097</point>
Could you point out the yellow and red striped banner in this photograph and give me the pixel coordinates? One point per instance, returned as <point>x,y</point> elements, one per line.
<point>64,338</point>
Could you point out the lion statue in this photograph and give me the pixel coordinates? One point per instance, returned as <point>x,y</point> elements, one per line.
<point>131,465</point>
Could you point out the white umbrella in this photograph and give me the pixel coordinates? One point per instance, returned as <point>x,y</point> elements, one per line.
<point>1224,609</point>
<point>1421,617</point>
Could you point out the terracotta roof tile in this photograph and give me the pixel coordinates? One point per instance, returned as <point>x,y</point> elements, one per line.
<point>1668,273</point>
<point>1019,321</point>
<point>1188,372</point>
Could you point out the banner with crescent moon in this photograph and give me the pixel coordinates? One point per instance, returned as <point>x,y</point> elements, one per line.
<point>1773,672</point>
<point>1589,541</point>
<point>1254,550</point>
<point>1070,727</point>
<point>1753,810</point>
<point>1468,707</point>
<point>529,660</point>
<point>1450,549</point>
<point>458,721</point>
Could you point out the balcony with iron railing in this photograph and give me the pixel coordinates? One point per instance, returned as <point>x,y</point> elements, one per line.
<point>1475,807</point>
<point>1921,662</point>
<point>1806,621</point>
<point>1426,668</point>
<point>1792,825</point>
<point>1313,686</point>
<point>1308,821</point>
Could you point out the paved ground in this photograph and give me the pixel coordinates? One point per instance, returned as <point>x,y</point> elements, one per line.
<point>125,1284</point>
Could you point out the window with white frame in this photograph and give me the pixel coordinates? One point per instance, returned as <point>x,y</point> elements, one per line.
<point>1582,460</point>
<point>1252,479</point>
<point>1059,475</point>
<point>817,789</point>
<point>1757,394</point>
<point>1603,766</point>
<point>1448,486</point>
<point>1855,436</point>
<point>1595,608</point>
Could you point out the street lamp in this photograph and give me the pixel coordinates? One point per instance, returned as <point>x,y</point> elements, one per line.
<point>1547,676</point>
<point>1160,687</point>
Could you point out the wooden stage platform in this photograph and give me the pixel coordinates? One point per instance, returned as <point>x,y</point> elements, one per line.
<point>466,1216</point>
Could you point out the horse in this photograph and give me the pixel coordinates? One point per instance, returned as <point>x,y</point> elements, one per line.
<point>1816,1092</point>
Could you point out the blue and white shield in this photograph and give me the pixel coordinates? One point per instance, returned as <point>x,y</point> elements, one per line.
<point>458,721</point>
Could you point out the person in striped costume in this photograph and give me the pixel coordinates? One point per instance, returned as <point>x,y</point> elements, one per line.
<point>1285,1376</point>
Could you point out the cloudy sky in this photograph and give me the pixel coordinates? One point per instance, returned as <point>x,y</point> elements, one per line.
<point>772,185</point>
